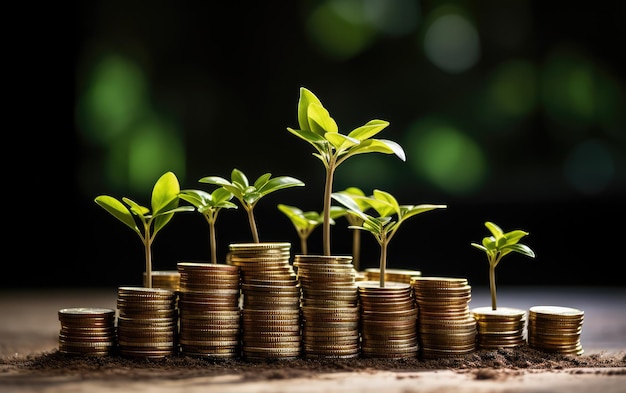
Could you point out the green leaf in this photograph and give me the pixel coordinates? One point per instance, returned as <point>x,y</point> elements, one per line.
<point>320,121</point>
<point>165,192</point>
<point>309,136</point>
<point>377,146</point>
<point>239,179</point>
<point>389,199</point>
<point>522,249</point>
<point>262,180</point>
<point>368,130</point>
<point>306,98</point>
<point>279,183</point>
<point>136,208</point>
<point>220,181</point>
<point>514,236</point>
<point>410,211</point>
<point>118,210</point>
<point>341,142</point>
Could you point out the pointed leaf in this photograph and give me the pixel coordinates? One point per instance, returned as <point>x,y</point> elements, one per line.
<point>279,183</point>
<point>320,121</point>
<point>387,197</point>
<point>340,141</point>
<point>238,178</point>
<point>136,208</point>
<point>522,249</point>
<point>165,190</point>
<point>262,180</point>
<point>117,210</point>
<point>377,146</point>
<point>368,130</point>
<point>306,98</point>
<point>410,211</point>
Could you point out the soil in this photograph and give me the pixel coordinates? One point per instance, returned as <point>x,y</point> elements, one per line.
<point>482,364</point>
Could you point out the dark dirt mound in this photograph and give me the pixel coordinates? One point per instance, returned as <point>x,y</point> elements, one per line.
<point>484,364</point>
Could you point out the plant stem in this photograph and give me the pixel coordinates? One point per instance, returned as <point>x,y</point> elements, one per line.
<point>303,246</point>
<point>255,234</point>
<point>148,244</point>
<point>328,190</point>
<point>213,242</point>
<point>356,249</point>
<point>383,263</point>
<point>492,285</point>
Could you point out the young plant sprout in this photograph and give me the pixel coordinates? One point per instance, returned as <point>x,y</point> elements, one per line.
<point>383,227</point>
<point>354,221</point>
<point>209,205</point>
<point>306,222</point>
<point>497,246</point>
<point>250,194</point>
<point>319,129</point>
<point>164,204</point>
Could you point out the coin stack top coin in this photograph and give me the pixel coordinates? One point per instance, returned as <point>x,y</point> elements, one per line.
<point>445,325</point>
<point>388,320</point>
<point>499,328</point>
<point>555,329</point>
<point>164,279</point>
<point>271,299</point>
<point>147,323</point>
<point>209,314</point>
<point>87,331</point>
<point>396,275</point>
<point>329,304</point>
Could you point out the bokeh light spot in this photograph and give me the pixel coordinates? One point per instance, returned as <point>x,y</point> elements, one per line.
<point>339,30</point>
<point>115,96</point>
<point>452,44</point>
<point>446,157</point>
<point>589,167</point>
<point>512,92</point>
<point>393,17</point>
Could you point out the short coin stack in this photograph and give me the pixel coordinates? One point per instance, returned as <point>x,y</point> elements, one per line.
<point>87,331</point>
<point>208,305</point>
<point>388,320</point>
<point>555,329</point>
<point>499,328</point>
<point>147,323</point>
<point>329,304</point>
<point>445,326</point>
<point>271,300</point>
<point>396,275</point>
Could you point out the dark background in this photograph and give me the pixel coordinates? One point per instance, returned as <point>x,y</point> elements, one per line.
<point>223,81</point>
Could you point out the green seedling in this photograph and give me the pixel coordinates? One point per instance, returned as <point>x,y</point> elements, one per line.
<point>354,221</point>
<point>306,222</point>
<point>164,204</point>
<point>209,205</point>
<point>390,216</point>
<point>497,246</point>
<point>249,194</point>
<point>319,129</point>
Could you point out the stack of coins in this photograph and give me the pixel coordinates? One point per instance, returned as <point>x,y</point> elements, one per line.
<point>329,304</point>
<point>164,279</point>
<point>208,304</point>
<point>555,329</point>
<point>87,331</point>
<point>388,320</point>
<point>499,328</point>
<point>147,323</point>
<point>270,301</point>
<point>445,326</point>
<point>395,275</point>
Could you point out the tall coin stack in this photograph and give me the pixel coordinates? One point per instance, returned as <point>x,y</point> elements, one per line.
<point>446,327</point>
<point>499,328</point>
<point>87,331</point>
<point>208,304</point>
<point>270,300</point>
<point>388,320</point>
<point>147,324</point>
<point>330,311</point>
<point>555,329</point>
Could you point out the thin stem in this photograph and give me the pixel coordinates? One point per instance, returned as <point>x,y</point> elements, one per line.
<point>383,263</point>
<point>255,234</point>
<point>303,245</point>
<point>213,242</point>
<point>492,285</point>
<point>148,251</point>
<point>356,249</point>
<point>328,190</point>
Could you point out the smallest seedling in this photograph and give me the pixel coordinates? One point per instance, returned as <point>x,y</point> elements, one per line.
<point>497,246</point>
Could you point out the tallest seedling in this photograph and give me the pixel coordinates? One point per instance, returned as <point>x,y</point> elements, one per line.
<point>319,129</point>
